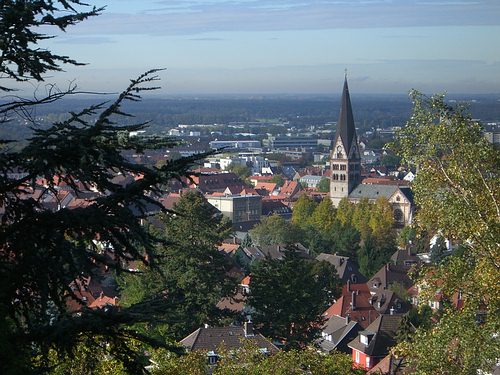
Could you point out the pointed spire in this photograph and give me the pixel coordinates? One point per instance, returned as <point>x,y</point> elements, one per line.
<point>346,129</point>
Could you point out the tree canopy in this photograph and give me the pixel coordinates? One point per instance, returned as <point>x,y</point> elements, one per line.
<point>45,249</point>
<point>305,290</point>
<point>191,273</point>
<point>457,189</point>
<point>272,230</point>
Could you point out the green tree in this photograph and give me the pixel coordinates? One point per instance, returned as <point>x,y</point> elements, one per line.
<point>249,361</point>
<point>302,210</point>
<point>242,171</point>
<point>324,185</point>
<point>278,180</point>
<point>439,250</point>
<point>456,189</point>
<point>323,217</point>
<point>44,251</point>
<point>407,235</point>
<point>191,272</point>
<point>304,293</point>
<point>272,230</point>
<point>345,211</point>
<point>390,161</point>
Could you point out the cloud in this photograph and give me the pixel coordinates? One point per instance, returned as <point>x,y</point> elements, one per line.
<point>207,39</point>
<point>85,40</point>
<point>176,17</point>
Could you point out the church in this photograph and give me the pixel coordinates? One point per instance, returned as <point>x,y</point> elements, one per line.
<point>345,165</point>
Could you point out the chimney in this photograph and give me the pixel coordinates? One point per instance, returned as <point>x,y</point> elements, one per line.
<point>353,300</point>
<point>347,319</point>
<point>391,311</point>
<point>248,329</point>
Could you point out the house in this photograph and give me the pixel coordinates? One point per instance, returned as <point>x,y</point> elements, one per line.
<point>211,339</point>
<point>388,275</point>
<point>354,304</point>
<point>237,302</point>
<point>405,258</point>
<point>388,302</point>
<point>216,182</point>
<point>374,343</point>
<point>347,270</point>
<point>276,207</point>
<point>250,254</point>
<point>390,365</point>
<point>337,333</point>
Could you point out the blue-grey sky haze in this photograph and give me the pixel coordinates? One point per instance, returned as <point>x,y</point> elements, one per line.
<point>289,46</point>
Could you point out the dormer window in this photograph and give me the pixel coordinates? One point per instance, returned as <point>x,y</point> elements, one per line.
<point>212,357</point>
<point>365,337</point>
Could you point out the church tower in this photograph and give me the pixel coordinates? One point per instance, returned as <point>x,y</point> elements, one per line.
<point>345,161</point>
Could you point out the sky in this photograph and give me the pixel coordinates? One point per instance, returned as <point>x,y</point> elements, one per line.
<point>288,46</point>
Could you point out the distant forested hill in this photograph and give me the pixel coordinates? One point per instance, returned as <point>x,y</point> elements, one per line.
<point>369,110</point>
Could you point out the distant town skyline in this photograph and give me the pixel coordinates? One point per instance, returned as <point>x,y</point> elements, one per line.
<point>288,46</point>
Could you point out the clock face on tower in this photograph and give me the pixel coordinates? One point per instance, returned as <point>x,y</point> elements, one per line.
<point>339,151</point>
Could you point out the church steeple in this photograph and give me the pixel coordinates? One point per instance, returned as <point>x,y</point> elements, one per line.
<point>346,129</point>
<point>345,161</point>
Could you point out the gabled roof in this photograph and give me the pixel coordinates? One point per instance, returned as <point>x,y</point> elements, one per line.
<point>387,275</point>
<point>346,129</point>
<point>341,332</point>
<point>211,338</point>
<point>385,300</point>
<point>384,330</point>
<point>389,365</point>
<point>363,313</point>
<point>373,191</point>
<point>404,257</point>
<point>346,268</point>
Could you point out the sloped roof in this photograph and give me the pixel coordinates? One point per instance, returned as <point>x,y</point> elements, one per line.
<point>234,303</point>
<point>340,330</point>
<point>388,275</point>
<point>211,338</point>
<point>373,191</point>
<point>384,329</point>
<point>385,300</point>
<point>269,186</point>
<point>363,313</point>
<point>404,257</point>
<point>346,129</point>
<point>345,267</point>
<point>389,365</point>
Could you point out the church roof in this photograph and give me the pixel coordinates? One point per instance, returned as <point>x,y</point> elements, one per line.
<point>345,125</point>
<point>373,191</point>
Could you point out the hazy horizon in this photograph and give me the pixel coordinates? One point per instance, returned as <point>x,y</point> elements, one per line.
<point>287,46</point>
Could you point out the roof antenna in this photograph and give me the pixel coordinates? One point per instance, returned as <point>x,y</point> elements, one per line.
<point>345,74</point>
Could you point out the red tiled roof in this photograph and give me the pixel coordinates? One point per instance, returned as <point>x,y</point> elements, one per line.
<point>228,248</point>
<point>246,280</point>
<point>269,186</point>
<point>103,301</point>
<point>363,312</point>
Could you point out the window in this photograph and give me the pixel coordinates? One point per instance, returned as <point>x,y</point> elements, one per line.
<point>343,167</point>
<point>212,358</point>
<point>367,362</point>
<point>363,339</point>
<point>398,215</point>
<point>357,356</point>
